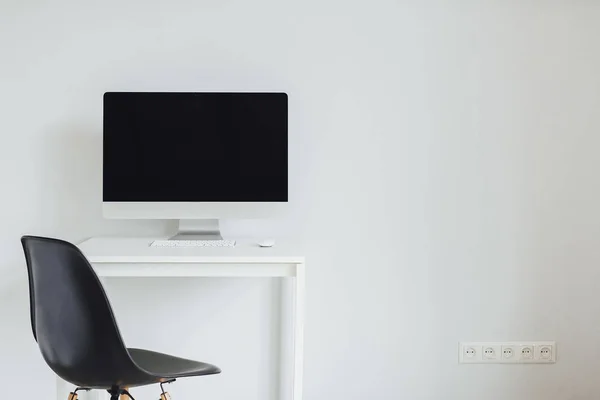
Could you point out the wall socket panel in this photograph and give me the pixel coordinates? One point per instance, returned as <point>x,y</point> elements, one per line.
<point>525,352</point>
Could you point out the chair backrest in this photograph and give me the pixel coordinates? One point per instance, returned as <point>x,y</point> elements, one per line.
<point>71,317</point>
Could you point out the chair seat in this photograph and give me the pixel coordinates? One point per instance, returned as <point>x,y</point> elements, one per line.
<point>169,367</point>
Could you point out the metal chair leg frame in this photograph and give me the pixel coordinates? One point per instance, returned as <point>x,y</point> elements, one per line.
<point>73,395</point>
<point>164,395</point>
<point>115,394</point>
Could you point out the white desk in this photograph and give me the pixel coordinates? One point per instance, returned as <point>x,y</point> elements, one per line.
<point>133,257</point>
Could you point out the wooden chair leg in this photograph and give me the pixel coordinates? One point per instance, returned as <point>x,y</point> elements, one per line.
<point>72,396</point>
<point>165,396</point>
<point>124,396</point>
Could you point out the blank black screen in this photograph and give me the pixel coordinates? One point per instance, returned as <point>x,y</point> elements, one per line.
<point>172,147</point>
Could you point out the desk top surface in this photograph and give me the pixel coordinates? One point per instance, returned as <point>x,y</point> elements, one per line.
<point>138,250</point>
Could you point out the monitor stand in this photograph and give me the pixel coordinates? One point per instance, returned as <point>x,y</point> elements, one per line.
<point>198,229</point>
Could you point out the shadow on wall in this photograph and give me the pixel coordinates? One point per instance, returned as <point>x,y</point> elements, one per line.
<point>72,188</point>
<point>14,307</point>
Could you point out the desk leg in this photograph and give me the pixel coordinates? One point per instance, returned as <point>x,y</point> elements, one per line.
<point>299,332</point>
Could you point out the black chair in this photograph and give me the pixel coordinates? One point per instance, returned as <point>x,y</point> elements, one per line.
<point>76,330</point>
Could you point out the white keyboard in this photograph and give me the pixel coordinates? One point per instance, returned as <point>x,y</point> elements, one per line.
<point>193,243</point>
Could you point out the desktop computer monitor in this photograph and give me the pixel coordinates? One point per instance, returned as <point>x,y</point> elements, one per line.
<point>194,156</point>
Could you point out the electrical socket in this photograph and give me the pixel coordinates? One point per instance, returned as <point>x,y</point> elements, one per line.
<point>470,354</point>
<point>509,353</point>
<point>538,352</point>
<point>491,352</point>
<point>544,352</point>
<point>526,352</point>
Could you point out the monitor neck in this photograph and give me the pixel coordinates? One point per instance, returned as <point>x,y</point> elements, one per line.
<point>198,229</point>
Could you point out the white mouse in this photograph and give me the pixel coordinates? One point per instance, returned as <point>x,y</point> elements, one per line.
<point>266,243</point>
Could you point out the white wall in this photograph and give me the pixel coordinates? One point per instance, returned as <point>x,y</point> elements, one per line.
<point>443,170</point>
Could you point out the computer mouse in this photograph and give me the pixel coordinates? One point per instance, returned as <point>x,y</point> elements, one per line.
<point>266,243</point>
